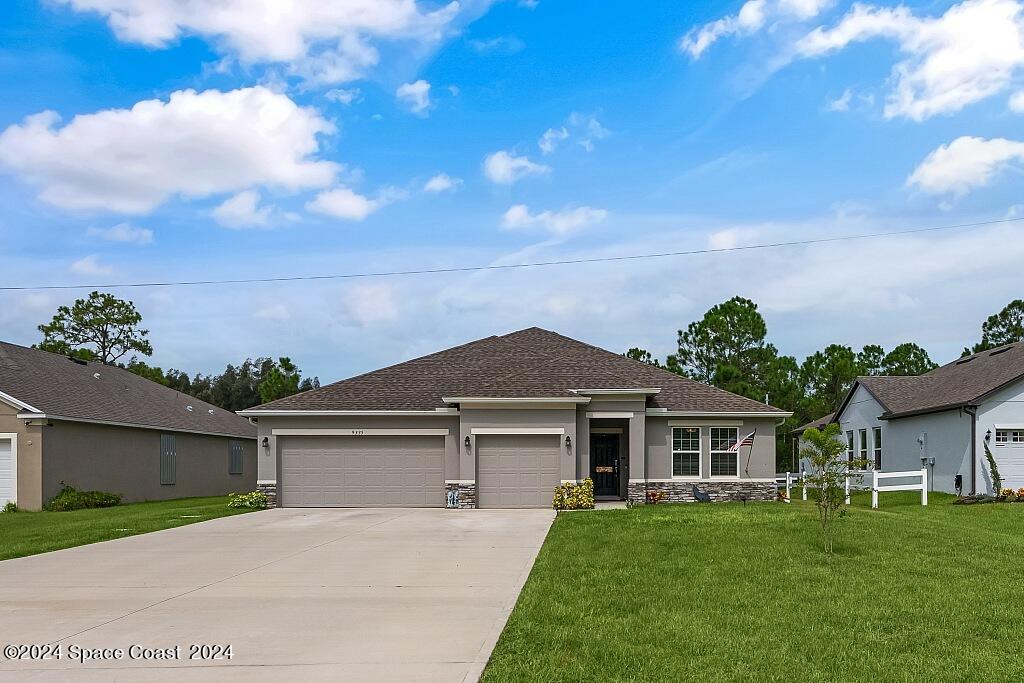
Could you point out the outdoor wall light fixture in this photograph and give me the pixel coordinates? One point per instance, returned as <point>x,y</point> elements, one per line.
<point>988,436</point>
<point>568,442</point>
<point>469,444</point>
<point>266,442</point>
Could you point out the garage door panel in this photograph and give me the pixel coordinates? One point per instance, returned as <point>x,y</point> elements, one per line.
<point>515,471</point>
<point>362,472</point>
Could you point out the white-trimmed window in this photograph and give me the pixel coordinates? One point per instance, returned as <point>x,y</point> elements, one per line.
<point>863,444</point>
<point>877,443</point>
<point>724,462</point>
<point>1010,437</point>
<point>849,446</point>
<point>686,451</point>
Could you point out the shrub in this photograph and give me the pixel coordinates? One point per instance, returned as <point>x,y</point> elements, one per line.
<point>655,497</point>
<point>257,500</point>
<point>10,506</point>
<point>572,496</point>
<point>71,498</point>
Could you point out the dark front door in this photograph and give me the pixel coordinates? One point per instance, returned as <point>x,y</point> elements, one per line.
<point>605,451</point>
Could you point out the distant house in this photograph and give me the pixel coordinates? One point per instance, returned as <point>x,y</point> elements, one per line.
<point>943,420</point>
<point>94,426</point>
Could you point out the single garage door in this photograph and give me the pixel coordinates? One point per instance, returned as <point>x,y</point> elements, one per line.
<point>7,466</point>
<point>517,470</point>
<point>1010,460</point>
<point>362,471</point>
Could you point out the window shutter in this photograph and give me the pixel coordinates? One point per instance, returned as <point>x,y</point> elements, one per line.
<point>234,457</point>
<point>168,459</point>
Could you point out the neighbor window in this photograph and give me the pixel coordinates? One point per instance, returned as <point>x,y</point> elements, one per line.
<point>168,459</point>
<point>1009,436</point>
<point>877,443</point>
<point>724,461</point>
<point>864,444</point>
<point>685,451</point>
<point>849,446</point>
<point>234,457</point>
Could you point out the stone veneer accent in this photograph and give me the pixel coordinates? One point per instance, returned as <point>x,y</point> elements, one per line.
<point>464,493</point>
<point>270,489</point>
<point>682,491</point>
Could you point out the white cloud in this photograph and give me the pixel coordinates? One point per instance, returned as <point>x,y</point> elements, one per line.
<point>194,145</point>
<point>560,223</point>
<point>243,211</point>
<point>588,129</point>
<point>125,233</point>
<point>529,4</point>
<point>369,304</point>
<point>506,44</point>
<point>273,312</point>
<point>550,139</point>
<point>343,95</point>
<point>442,182</point>
<point>968,54</point>
<point>753,16</point>
<point>327,41</point>
<point>503,168</point>
<point>89,265</point>
<point>416,96</point>
<point>841,103</point>
<point>731,238</point>
<point>341,202</point>
<point>1017,102</point>
<point>965,164</point>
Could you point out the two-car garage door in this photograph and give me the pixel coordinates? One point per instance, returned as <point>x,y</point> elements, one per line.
<point>362,471</point>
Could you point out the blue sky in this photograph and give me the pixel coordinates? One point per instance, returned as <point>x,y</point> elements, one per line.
<point>197,140</point>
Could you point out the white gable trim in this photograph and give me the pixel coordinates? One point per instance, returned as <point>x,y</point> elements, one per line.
<point>15,403</point>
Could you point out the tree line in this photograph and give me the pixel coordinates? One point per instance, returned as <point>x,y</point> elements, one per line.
<point>104,329</point>
<point>727,348</point>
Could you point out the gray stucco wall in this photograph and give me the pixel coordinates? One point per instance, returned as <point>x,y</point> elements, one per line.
<point>760,464</point>
<point>29,494</point>
<point>126,460</point>
<point>562,418</point>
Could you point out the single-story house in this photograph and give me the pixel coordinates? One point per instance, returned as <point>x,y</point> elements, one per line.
<point>98,427</point>
<point>501,421</point>
<point>943,421</point>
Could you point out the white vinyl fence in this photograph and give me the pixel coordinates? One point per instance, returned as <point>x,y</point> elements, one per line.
<point>878,485</point>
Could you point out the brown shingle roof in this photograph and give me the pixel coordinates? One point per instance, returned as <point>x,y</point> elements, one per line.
<point>59,387</point>
<point>528,363</point>
<point>960,383</point>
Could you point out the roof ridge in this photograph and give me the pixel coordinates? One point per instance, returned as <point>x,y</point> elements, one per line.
<point>576,341</point>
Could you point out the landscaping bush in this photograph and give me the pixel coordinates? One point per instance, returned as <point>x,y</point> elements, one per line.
<point>257,500</point>
<point>571,496</point>
<point>10,506</point>
<point>71,498</point>
<point>655,497</point>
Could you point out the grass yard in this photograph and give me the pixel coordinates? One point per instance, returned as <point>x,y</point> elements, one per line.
<point>727,592</point>
<point>28,533</point>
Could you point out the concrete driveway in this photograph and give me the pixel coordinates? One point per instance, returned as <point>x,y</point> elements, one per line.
<point>354,595</point>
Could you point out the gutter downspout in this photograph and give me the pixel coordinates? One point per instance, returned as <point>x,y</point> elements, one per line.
<point>973,412</point>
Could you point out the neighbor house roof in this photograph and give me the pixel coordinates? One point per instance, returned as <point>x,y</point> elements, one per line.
<point>961,383</point>
<point>42,383</point>
<point>817,424</point>
<point>530,363</point>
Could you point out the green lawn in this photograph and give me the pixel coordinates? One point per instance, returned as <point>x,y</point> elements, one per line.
<point>727,592</point>
<point>28,533</point>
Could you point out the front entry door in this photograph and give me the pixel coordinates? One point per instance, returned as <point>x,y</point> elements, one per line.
<point>605,451</point>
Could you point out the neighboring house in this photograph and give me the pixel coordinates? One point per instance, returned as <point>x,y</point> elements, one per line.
<point>501,421</point>
<point>94,426</point>
<point>798,434</point>
<point>943,420</point>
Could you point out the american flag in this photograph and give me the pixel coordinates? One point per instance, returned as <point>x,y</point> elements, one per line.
<point>748,440</point>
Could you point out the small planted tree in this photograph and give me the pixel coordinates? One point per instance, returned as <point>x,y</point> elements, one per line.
<point>830,466</point>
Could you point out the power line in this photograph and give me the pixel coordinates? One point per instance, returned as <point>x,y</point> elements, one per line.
<point>511,266</point>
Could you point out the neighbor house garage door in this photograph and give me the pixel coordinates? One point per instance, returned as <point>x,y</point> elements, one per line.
<point>1011,466</point>
<point>362,471</point>
<point>7,482</point>
<point>517,470</point>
